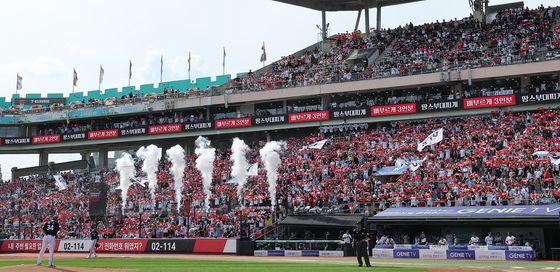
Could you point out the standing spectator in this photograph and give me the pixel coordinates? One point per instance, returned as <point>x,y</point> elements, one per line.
<point>489,240</point>
<point>510,239</point>
<point>347,239</point>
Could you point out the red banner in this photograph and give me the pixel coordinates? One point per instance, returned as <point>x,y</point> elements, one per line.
<point>393,109</point>
<point>233,123</point>
<point>23,245</point>
<point>46,139</point>
<point>489,102</point>
<point>164,129</point>
<point>103,134</point>
<point>314,116</point>
<point>122,245</point>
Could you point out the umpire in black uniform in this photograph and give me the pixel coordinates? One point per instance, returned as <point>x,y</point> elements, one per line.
<point>359,243</point>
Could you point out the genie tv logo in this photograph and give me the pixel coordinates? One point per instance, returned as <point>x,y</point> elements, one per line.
<point>519,255</point>
<point>460,254</point>
<point>406,253</point>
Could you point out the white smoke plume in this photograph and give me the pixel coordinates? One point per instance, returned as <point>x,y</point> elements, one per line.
<point>239,168</point>
<point>60,183</point>
<point>205,164</point>
<point>271,158</point>
<point>176,155</point>
<point>125,167</point>
<point>150,155</point>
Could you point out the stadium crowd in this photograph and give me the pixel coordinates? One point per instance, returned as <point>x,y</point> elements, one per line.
<point>513,36</point>
<point>497,159</point>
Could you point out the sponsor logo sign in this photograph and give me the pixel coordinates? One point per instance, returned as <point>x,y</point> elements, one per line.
<point>406,253</point>
<point>540,97</point>
<point>132,131</point>
<point>345,113</point>
<point>197,126</point>
<point>73,136</point>
<point>16,141</point>
<point>460,254</point>
<point>439,105</point>
<point>269,120</point>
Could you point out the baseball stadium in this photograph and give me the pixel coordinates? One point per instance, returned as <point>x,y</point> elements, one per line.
<point>424,146</point>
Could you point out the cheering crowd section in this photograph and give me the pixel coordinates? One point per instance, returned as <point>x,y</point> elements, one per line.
<point>515,35</point>
<point>483,160</point>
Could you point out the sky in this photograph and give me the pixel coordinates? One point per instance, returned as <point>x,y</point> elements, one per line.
<point>44,40</point>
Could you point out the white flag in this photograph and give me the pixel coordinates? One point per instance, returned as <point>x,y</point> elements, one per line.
<point>414,165</point>
<point>555,161</point>
<point>253,169</point>
<point>541,153</point>
<point>101,74</point>
<point>75,80</point>
<point>19,81</point>
<point>60,183</point>
<point>263,55</point>
<point>434,138</point>
<point>318,145</point>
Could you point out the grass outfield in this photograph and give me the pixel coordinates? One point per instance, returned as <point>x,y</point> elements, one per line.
<point>170,264</point>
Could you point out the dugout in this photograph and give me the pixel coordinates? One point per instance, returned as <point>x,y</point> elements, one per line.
<point>538,224</point>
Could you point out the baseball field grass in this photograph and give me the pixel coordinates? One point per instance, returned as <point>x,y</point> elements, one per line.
<point>75,262</point>
<point>172,264</point>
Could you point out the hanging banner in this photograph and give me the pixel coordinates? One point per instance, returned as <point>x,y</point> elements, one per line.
<point>16,141</point>
<point>489,102</point>
<point>269,120</point>
<point>538,98</point>
<point>233,123</point>
<point>197,126</point>
<point>103,134</point>
<point>440,105</point>
<point>314,116</point>
<point>132,131</point>
<point>73,136</point>
<point>164,129</point>
<point>45,139</point>
<point>345,113</point>
<point>393,109</point>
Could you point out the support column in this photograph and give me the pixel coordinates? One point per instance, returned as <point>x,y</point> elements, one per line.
<point>103,158</point>
<point>85,156</point>
<point>285,106</point>
<point>43,158</point>
<point>524,83</point>
<point>378,26</point>
<point>324,25</point>
<point>325,100</point>
<point>366,13</point>
<point>358,20</point>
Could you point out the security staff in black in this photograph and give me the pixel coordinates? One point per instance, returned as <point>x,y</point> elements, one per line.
<point>359,243</point>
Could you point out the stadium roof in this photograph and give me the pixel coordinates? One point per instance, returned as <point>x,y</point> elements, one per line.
<point>344,5</point>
